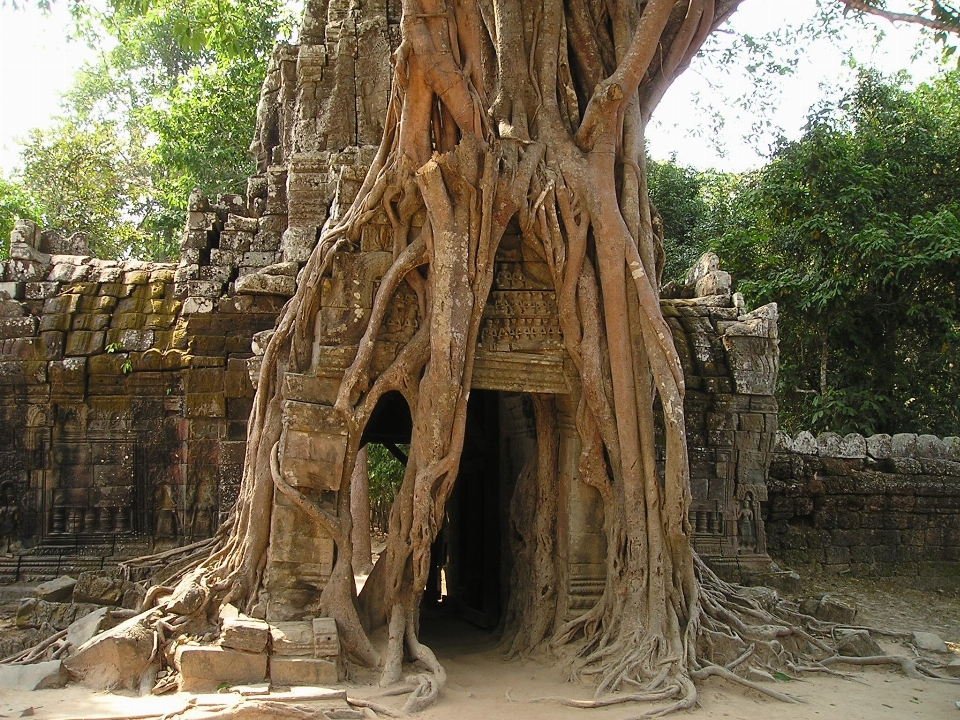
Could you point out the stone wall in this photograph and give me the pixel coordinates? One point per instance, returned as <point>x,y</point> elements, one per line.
<point>123,407</point>
<point>872,506</point>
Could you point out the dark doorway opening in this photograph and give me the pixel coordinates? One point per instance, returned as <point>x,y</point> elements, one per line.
<point>465,558</point>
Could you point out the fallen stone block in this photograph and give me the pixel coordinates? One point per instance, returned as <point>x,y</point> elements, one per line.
<point>89,626</point>
<point>829,609</point>
<point>39,676</point>
<point>953,668</point>
<point>857,643</point>
<point>56,590</point>
<point>247,634</point>
<point>99,589</point>
<point>929,641</point>
<point>302,671</point>
<point>33,613</point>
<point>118,657</point>
<point>203,668</point>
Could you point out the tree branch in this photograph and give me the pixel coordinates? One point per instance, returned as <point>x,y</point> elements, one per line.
<point>949,25</point>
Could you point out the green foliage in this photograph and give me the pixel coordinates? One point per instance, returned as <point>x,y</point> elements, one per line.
<point>170,105</point>
<point>692,206</point>
<point>15,202</point>
<point>87,178</point>
<point>855,231</point>
<point>386,476</point>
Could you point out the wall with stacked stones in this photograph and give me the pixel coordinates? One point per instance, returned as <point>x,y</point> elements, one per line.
<point>123,404</point>
<point>872,506</point>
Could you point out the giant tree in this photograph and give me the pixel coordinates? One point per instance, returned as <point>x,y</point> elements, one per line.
<point>528,116</point>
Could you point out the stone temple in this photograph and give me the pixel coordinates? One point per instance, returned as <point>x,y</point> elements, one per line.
<point>125,386</point>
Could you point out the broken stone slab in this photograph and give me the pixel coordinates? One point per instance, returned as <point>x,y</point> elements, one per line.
<point>707,263</point>
<point>23,251</point>
<point>204,668</point>
<point>716,282</point>
<point>56,590</point>
<point>38,676</point>
<point>930,447</point>
<point>247,634</point>
<point>930,642</point>
<point>857,643</point>
<point>34,613</point>
<point>292,639</point>
<point>89,626</point>
<point>852,446</point>
<point>118,657</point>
<point>100,589</point>
<point>302,671</point>
<point>828,444</point>
<point>829,608</point>
<point>26,232</point>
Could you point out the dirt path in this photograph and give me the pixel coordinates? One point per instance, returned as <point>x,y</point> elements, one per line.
<point>482,686</point>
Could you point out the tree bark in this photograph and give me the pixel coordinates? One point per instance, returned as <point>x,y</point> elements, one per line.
<point>360,511</point>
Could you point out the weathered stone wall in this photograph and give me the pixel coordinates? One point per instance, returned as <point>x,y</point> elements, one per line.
<point>122,409</point>
<point>872,506</point>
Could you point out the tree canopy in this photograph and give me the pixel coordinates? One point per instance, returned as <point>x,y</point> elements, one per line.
<point>168,106</point>
<point>854,229</point>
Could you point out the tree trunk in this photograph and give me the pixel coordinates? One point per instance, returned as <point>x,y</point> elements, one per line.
<point>528,114</point>
<point>360,511</point>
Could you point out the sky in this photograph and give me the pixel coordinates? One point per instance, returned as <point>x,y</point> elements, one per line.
<point>37,63</point>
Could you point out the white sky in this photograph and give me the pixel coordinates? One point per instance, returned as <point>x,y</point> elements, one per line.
<point>37,63</point>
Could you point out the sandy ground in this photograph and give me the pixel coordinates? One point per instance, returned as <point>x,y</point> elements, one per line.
<point>483,686</point>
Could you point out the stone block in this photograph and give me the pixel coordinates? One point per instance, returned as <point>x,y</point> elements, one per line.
<point>292,639</point>
<point>828,609</point>
<point>857,643</point>
<point>805,444</point>
<point>291,671</point>
<point>85,342</point>
<point>880,447</point>
<point>205,405</point>
<point>930,447</point>
<point>205,668</point>
<point>25,270</point>
<point>903,445</point>
<point>205,288</point>
<point>99,589</point>
<point>40,290</point>
<point>39,676</point>
<point>118,656</point>
<point>83,630</point>
<point>13,290</point>
<point>197,305</point>
<point>326,639</point>
<point>17,327</point>
<point>34,613</point>
<point>261,284</point>
<point>67,272</point>
<point>56,590</point>
<point>247,634</point>
<point>929,641</point>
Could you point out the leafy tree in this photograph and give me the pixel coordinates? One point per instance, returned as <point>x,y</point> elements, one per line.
<point>174,98</point>
<point>88,178</point>
<point>692,207</point>
<point>15,202</point>
<point>855,231</point>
